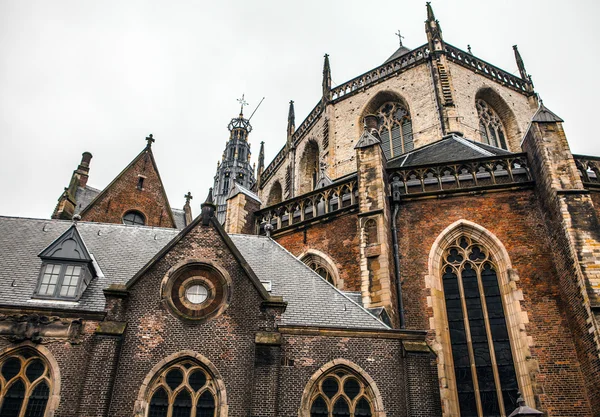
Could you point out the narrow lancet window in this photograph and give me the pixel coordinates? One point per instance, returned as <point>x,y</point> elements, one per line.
<point>395,129</point>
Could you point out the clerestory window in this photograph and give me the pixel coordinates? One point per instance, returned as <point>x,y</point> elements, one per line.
<point>395,129</point>
<point>484,371</point>
<point>490,126</point>
<point>25,385</point>
<point>341,393</point>
<point>184,389</point>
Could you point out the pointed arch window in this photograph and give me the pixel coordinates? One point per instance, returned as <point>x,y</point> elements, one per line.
<point>395,129</point>
<point>183,389</point>
<point>25,385</point>
<point>490,126</point>
<point>341,393</point>
<point>320,266</point>
<point>484,370</point>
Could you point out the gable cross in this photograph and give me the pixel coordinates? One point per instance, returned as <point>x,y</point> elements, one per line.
<point>188,197</point>
<point>150,140</point>
<point>400,37</point>
<point>242,103</point>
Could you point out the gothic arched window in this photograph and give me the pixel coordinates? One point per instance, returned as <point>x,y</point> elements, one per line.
<point>341,393</point>
<point>183,389</point>
<point>486,381</point>
<point>320,266</point>
<point>490,126</point>
<point>25,385</point>
<point>395,129</point>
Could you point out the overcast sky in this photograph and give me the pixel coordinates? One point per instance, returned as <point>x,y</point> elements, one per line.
<point>99,76</point>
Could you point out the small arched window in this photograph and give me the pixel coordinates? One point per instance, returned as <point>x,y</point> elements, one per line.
<point>134,218</point>
<point>395,129</point>
<point>320,266</point>
<point>490,126</point>
<point>183,389</point>
<point>25,385</point>
<point>275,194</point>
<point>484,370</point>
<point>341,393</point>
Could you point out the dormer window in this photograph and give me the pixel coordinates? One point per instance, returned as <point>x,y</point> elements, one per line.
<point>66,268</point>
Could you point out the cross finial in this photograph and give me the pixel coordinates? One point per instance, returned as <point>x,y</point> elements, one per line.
<point>242,103</point>
<point>188,197</point>
<point>469,49</point>
<point>400,37</point>
<point>150,140</point>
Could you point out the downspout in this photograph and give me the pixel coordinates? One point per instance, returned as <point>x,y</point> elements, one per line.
<point>397,265</point>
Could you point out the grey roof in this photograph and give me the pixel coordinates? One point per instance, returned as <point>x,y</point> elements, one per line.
<point>238,188</point>
<point>366,139</point>
<point>179,216</point>
<point>451,148</point>
<point>119,250</point>
<point>399,52</point>
<point>312,301</point>
<point>544,115</point>
<point>84,196</point>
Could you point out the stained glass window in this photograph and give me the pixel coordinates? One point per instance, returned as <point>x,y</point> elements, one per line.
<point>490,126</point>
<point>340,393</point>
<point>486,381</point>
<point>395,129</point>
<point>25,383</point>
<point>182,388</point>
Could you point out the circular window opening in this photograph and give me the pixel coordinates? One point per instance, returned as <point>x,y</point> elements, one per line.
<point>134,218</point>
<point>196,294</point>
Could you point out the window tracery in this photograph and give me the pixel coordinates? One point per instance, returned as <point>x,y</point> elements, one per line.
<point>341,393</point>
<point>490,126</point>
<point>486,381</point>
<point>320,266</point>
<point>395,129</point>
<point>184,389</point>
<point>25,385</point>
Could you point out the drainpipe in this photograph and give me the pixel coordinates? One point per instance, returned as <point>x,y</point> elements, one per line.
<point>397,265</point>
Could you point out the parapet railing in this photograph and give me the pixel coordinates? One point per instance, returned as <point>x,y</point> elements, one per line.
<point>317,204</point>
<point>380,73</point>
<point>488,70</point>
<point>589,169</point>
<point>459,176</point>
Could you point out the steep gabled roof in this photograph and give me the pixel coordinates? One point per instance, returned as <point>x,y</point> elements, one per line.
<point>68,246</point>
<point>451,148</point>
<point>311,301</point>
<point>147,151</point>
<point>544,115</point>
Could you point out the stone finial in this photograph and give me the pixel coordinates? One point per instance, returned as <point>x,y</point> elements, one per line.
<point>520,64</point>
<point>523,410</point>
<point>150,139</point>
<point>430,14</point>
<point>76,218</point>
<point>326,79</point>
<point>188,197</point>
<point>268,229</point>
<point>291,126</point>
<point>208,208</point>
<point>433,31</point>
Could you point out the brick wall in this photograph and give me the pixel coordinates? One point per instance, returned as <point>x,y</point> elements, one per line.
<point>338,238</point>
<point>124,195</point>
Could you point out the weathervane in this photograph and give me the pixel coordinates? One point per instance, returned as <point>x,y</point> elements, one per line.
<point>242,103</point>
<point>400,37</point>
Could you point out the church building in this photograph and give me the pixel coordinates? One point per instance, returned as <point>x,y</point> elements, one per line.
<point>424,244</point>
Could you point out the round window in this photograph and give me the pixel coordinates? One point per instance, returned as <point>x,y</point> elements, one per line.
<point>196,294</point>
<point>134,218</point>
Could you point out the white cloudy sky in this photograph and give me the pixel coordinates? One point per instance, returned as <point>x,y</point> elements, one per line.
<point>99,76</point>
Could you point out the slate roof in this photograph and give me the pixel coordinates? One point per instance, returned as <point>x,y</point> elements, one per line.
<point>312,301</point>
<point>84,196</point>
<point>119,250</point>
<point>179,216</point>
<point>238,188</point>
<point>449,149</point>
<point>399,52</point>
<point>544,115</point>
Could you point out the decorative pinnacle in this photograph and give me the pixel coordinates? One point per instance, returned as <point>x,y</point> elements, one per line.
<point>188,197</point>
<point>242,104</point>
<point>400,37</point>
<point>469,49</point>
<point>150,140</point>
<point>430,15</point>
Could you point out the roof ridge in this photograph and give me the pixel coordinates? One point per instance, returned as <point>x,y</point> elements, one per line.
<point>330,284</point>
<point>472,145</point>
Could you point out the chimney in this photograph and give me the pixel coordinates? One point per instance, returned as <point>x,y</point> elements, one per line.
<point>84,169</point>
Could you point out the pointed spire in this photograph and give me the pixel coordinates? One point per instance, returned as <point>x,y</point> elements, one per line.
<point>520,64</point>
<point>326,79</point>
<point>291,126</point>
<point>370,135</point>
<point>544,115</point>
<point>261,162</point>
<point>433,31</point>
<point>208,208</point>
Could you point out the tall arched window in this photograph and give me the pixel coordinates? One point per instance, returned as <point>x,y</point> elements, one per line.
<point>339,393</point>
<point>320,266</point>
<point>490,126</point>
<point>486,382</point>
<point>275,194</point>
<point>25,385</point>
<point>395,129</point>
<point>309,167</point>
<point>183,389</point>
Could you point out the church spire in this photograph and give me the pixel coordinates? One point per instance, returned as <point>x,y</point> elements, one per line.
<point>291,123</point>
<point>326,79</point>
<point>261,162</point>
<point>433,31</point>
<point>520,64</point>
